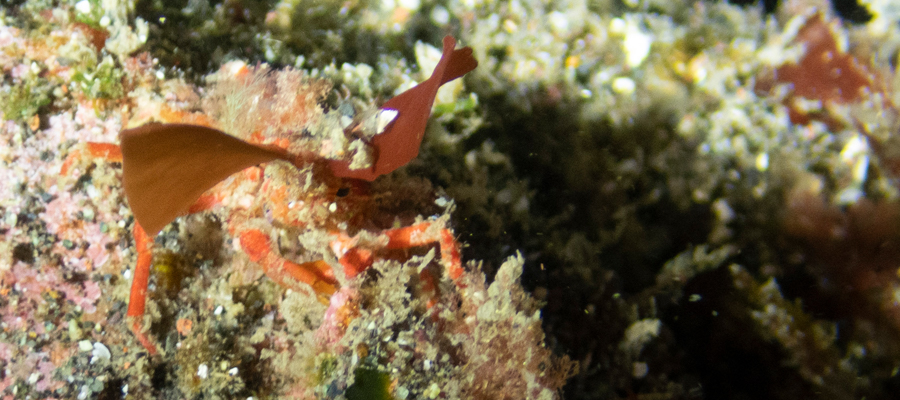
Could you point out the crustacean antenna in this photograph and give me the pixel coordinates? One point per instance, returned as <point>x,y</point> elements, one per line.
<point>166,167</point>
<point>399,143</point>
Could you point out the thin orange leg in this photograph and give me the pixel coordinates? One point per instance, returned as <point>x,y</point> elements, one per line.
<point>138,297</point>
<point>316,274</point>
<point>357,259</point>
<point>426,233</point>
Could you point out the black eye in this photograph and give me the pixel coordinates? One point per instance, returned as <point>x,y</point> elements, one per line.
<point>343,192</point>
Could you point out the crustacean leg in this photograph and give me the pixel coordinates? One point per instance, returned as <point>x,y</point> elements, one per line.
<point>137,298</point>
<point>356,259</point>
<point>356,255</point>
<point>317,274</point>
<point>426,233</point>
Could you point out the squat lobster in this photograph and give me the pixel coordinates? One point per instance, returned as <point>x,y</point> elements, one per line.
<point>170,169</point>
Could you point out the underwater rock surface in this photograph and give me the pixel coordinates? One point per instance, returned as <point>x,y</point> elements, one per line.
<point>653,200</point>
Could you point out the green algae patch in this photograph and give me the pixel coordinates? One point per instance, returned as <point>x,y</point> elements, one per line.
<point>101,82</point>
<point>25,100</point>
<point>370,384</point>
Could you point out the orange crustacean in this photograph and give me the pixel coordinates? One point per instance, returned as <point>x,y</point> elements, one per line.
<point>173,169</point>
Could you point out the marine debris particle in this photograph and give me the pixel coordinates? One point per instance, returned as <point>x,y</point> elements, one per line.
<point>399,144</point>
<point>166,167</point>
<point>825,73</point>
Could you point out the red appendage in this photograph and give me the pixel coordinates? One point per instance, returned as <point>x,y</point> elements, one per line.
<point>399,143</point>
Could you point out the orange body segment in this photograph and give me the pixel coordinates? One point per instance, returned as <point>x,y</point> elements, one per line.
<point>92,150</point>
<point>255,244</point>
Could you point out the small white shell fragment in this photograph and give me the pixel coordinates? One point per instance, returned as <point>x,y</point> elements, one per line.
<point>623,85</point>
<point>100,352</point>
<point>440,15</point>
<point>84,392</point>
<point>203,371</point>
<point>559,22</point>
<point>233,68</point>
<point>855,147</point>
<point>636,42</point>
<point>83,7</point>
<point>762,161</point>
<point>85,345</point>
